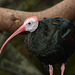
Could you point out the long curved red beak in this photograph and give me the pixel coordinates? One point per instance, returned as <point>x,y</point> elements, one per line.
<point>19,30</point>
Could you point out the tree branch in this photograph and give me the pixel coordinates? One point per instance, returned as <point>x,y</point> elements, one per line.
<point>10,20</point>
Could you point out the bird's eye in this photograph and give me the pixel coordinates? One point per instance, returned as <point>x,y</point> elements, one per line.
<point>29,23</point>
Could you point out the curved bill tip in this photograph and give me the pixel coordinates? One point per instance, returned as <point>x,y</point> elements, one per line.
<point>19,30</point>
<point>0,52</point>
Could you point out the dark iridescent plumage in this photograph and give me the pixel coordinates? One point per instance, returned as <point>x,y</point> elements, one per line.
<point>53,41</point>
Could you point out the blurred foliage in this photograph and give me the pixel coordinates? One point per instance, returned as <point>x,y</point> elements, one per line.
<point>12,61</point>
<point>28,5</point>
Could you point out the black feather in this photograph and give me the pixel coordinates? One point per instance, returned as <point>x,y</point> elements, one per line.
<point>53,41</point>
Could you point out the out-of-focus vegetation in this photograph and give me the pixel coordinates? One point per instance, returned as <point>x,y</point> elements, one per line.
<point>13,62</point>
<point>28,5</point>
<point>15,59</point>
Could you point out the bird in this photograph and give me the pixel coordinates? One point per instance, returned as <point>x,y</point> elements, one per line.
<point>51,40</point>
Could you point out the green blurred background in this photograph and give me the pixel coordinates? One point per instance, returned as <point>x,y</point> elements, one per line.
<point>16,59</point>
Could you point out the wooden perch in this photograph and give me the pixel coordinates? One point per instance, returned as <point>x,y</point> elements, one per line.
<point>10,20</point>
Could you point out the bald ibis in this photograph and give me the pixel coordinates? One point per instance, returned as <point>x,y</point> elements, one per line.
<point>52,42</point>
<point>48,40</point>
